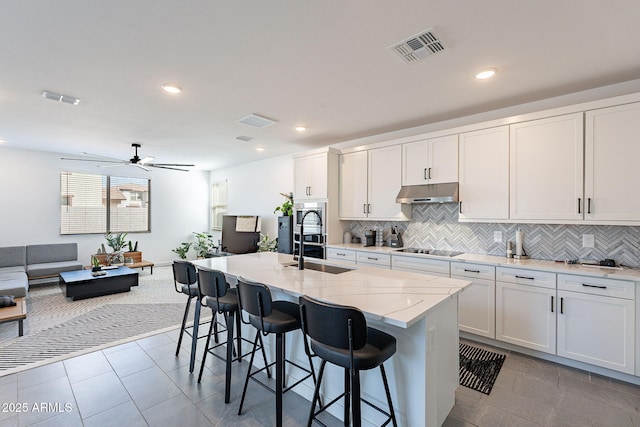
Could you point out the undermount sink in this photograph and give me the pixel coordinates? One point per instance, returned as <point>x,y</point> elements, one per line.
<point>331,269</point>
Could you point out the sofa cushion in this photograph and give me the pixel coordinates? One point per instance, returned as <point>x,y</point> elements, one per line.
<point>55,252</point>
<point>52,268</point>
<point>15,284</point>
<point>16,269</point>
<point>12,256</point>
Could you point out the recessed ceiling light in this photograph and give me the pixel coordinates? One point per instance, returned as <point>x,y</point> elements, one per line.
<point>301,128</point>
<point>259,148</point>
<point>2,141</point>
<point>171,88</point>
<point>486,73</point>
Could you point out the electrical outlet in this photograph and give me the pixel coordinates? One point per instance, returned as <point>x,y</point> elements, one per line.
<point>497,236</point>
<point>588,241</point>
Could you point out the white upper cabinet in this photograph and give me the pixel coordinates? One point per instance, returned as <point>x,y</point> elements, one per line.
<point>484,174</point>
<point>430,161</point>
<point>369,183</point>
<point>546,169</point>
<point>353,185</point>
<point>612,150</point>
<point>310,177</point>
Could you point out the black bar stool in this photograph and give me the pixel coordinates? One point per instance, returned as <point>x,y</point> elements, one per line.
<point>216,294</point>
<point>185,282</point>
<point>339,335</point>
<point>270,317</point>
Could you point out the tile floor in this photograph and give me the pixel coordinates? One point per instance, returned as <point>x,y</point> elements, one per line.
<point>141,383</point>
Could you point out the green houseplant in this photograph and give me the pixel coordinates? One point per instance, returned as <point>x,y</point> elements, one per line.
<point>286,208</point>
<point>204,244</point>
<point>182,249</point>
<point>116,242</point>
<point>266,245</point>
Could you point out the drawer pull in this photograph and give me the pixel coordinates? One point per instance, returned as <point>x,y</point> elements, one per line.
<point>594,286</point>
<point>339,254</point>
<point>525,277</point>
<point>472,271</point>
<point>372,258</point>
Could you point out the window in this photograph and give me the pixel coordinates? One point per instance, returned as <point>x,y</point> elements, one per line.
<point>218,204</point>
<point>99,204</point>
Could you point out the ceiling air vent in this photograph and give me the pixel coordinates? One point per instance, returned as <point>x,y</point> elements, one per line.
<point>256,121</point>
<point>418,47</point>
<point>244,138</point>
<point>60,98</point>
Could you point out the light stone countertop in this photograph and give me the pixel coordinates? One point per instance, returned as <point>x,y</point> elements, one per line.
<point>624,273</point>
<point>394,297</point>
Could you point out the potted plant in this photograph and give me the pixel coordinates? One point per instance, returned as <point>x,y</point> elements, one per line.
<point>285,225</point>
<point>182,249</point>
<point>95,263</point>
<point>286,208</point>
<point>204,244</point>
<point>132,255</point>
<point>116,242</point>
<point>267,245</point>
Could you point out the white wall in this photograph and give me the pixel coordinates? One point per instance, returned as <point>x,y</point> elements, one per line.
<point>30,204</point>
<point>254,189</point>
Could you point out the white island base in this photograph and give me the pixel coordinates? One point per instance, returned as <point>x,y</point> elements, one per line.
<point>423,374</point>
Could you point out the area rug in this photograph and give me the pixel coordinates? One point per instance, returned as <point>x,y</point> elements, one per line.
<point>57,328</point>
<point>479,368</point>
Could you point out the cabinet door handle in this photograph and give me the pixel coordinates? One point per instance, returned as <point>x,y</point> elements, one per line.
<point>552,303</point>
<point>368,208</point>
<point>579,200</point>
<point>594,286</point>
<point>589,205</point>
<point>525,277</point>
<point>561,305</point>
<point>425,173</point>
<point>309,193</point>
<point>364,208</point>
<point>472,271</point>
<point>429,174</point>
<point>459,207</point>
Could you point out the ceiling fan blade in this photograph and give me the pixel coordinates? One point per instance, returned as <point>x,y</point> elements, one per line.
<point>101,157</point>
<point>146,160</point>
<point>138,165</point>
<point>95,160</point>
<point>112,165</point>
<point>172,164</point>
<point>156,165</point>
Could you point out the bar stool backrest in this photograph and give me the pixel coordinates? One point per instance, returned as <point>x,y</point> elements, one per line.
<point>255,299</point>
<point>184,273</point>
<point>212,284</point>
<point>334,325</point>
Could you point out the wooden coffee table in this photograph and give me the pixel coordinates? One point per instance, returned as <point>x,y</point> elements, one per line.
<point>82,284</point>
<point>16,313</point>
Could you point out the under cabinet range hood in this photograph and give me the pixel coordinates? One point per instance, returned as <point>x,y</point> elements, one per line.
<point>429,193</point>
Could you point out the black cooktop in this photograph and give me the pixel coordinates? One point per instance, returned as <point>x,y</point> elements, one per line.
<point>435,252</point>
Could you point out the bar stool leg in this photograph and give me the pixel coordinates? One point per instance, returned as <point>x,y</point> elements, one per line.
<point>227,382</point>
<point>386,389</point>
<point>204,355</point>
<point>279,377</point>
<point>316,394</point>
<point>184,322</point>
<point>355,398</point>
<point>194,338</point>
<point>347,397</point>
<point>246,381</point>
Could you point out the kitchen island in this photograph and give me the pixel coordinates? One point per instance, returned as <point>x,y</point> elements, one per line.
<point>421,311</point>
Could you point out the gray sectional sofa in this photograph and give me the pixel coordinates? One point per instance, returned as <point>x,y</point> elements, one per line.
<point>20,265</point>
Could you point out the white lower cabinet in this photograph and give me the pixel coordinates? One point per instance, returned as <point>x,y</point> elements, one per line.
<point>596,321</point>
<point>373,259</point>
<point>477,304</point>
<point>344,255</point>
<point>525,308</point>
<point>420,264</point>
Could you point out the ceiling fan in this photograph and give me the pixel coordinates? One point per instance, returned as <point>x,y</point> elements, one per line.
<point>142,163</point>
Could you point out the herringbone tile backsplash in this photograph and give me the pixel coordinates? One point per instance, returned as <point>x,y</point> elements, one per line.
<point>436,226</point>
